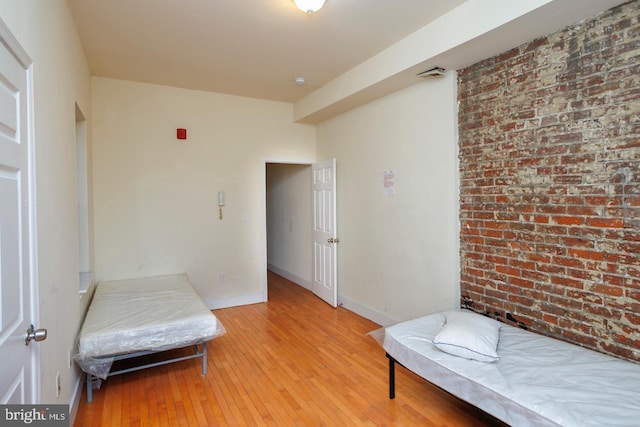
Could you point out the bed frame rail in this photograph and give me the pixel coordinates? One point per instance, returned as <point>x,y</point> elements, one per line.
<point>200,350</point>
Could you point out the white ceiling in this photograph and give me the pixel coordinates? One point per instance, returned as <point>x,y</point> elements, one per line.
<point>252,48</point>
<point>256,48</point>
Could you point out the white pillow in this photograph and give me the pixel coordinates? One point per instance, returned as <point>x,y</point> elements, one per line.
<point>469,335</point>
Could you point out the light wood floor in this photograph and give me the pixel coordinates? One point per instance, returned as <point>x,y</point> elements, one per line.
<point>292,361</point>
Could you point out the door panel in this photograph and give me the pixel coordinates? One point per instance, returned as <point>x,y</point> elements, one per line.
<point>324,231</point>
<point>17,378</point>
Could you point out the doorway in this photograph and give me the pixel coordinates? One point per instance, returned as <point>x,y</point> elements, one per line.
<point>289,221</point>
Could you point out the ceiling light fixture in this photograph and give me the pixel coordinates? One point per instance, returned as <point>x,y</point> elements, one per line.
<point>309,6</point>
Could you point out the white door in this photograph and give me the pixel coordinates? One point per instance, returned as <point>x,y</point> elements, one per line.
<point>325,240</point>
<point>17,289</point>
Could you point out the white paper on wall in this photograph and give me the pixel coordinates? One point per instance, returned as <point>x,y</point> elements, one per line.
<point>388,183</point>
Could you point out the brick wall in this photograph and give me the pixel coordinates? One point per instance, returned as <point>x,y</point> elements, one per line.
<point>549,136</point>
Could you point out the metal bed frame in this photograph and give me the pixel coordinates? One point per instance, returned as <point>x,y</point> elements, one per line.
<point>392,375</point>
<point>200,350</point>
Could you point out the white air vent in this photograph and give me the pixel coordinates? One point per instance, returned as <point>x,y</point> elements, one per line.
<point>433,72</point>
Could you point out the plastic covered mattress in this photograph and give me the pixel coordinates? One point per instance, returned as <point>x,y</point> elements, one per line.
<point>537,381</point>
<point>142,315</point>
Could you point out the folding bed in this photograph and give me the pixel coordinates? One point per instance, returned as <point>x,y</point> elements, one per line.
<point>131,318</point>
<point>526,380</point>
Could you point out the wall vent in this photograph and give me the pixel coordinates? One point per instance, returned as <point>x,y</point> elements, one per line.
<point>432,72</point>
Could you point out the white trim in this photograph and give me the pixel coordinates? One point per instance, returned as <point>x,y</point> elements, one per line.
<point>86,280</point>
<point>288,162</point>
<point>33,232</point>
<point>74,404</point>
<point>376,316</point>
<point>215,303</point>
<point>290,276</point>
<point>13,45</point>
<point>263,212</point>
<point>456,137</point>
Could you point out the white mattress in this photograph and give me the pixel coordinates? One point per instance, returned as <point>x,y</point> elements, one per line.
<point>149,314</point>
<point>538,380</point>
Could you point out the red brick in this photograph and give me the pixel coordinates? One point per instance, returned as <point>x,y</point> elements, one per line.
<point>605,222</point>
<point>516,299</point>
<point>579,253</point>
<point>568,262</point>
<point>606,290</point>
<point>568,220</point>
<point>551,289</point>
<point>571,241</point>
<point>491,233</point>
<point>539,219</point>
<point>520,246</point>
<point>633,318</point>
<point>535,276</point>
<point>496,259</point>
<point>496,225</point>
<point>582,210</point>
<point>567,282</point>
<point>495,294</point>
<point>474,272</point>
<point>617,281</point>
<point>522,283</point>
<point>508,270</point>
<point>558,310</point>
<point>622,258</point>
<point>583,296</point>
<point>584,274</point>
<point>551,209</point>
<point>629,305</point>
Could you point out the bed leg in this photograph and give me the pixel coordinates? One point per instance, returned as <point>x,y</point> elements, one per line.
<point>204,358</point>
<point>392,376</point>
<point>89,388</point>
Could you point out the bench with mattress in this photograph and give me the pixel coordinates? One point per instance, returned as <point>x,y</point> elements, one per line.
<point>132,318</point>
<point>533,381</point>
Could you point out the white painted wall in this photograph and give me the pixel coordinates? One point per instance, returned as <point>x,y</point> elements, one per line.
<point>155,197</point>
<point>289,221</point>
<point>398,255</point>
<point>61,79</point>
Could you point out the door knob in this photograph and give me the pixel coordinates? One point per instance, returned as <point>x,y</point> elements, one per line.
<point>35,334</point>
<point>332,240</point>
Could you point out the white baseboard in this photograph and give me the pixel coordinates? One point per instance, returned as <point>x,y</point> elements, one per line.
<point>351,305</point>
<point>290,276</point>
<point>75,398</point>
<point>215,303</point>
<point>376,316</point>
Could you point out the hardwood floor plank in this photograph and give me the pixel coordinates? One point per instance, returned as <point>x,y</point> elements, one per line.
<point>294,361</point>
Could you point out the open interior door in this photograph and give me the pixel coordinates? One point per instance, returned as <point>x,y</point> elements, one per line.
<point>18,379</point>
<point>325,240</point>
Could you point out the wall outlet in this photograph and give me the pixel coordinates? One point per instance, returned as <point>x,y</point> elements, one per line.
<point>58,385</point>
<point>223,277</point>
